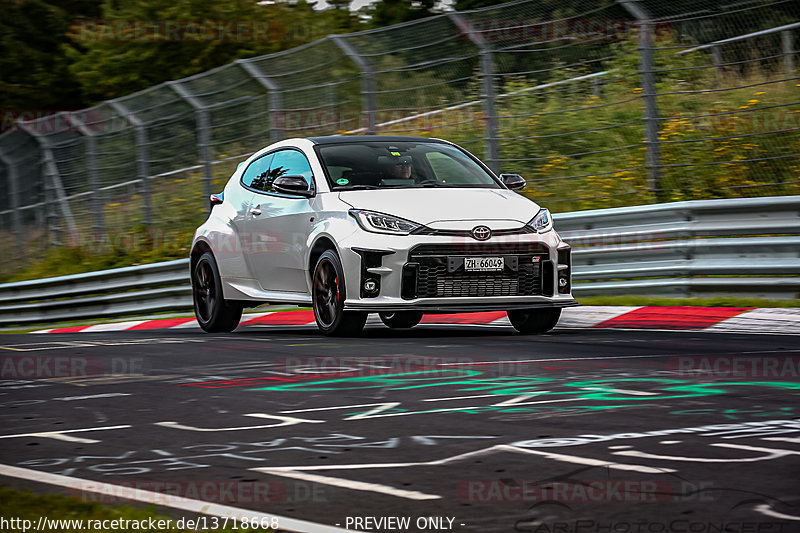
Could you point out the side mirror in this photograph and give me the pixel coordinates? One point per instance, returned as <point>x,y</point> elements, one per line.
<point>215,199</point>
<point>515,182</point>
<point>293,185</point>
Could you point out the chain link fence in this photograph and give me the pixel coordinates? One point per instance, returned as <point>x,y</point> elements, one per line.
<point>597,105</point>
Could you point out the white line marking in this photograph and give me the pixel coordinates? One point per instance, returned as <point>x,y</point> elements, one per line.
<point>175,502</point>
<point>459,398</point>
<point>92,396</point>
<point>60,435</point>
<point>283,421</point>
<point>595,462</point>
<point>771,453</point>
<point>795,440</point>
<point>597,358</point>
<point>765,509</point>
<point>354,485</point>
<point>391,404</point>
<point>467,455</point>
<point>622,391</point>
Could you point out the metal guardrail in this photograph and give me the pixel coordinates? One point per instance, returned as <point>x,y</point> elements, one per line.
<point>749,247</point>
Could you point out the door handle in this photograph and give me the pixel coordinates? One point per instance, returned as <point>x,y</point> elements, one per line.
<point>255,211</point>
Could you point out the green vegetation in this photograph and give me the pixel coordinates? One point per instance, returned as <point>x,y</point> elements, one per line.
<point>580,144</point>
<point>580,150</point>
<point>25,505</point>
<point>721,167</point>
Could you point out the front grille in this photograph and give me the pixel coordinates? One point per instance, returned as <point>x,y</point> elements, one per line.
<point>427,274</point>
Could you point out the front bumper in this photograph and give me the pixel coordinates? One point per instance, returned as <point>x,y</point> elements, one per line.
<point>387,260</point>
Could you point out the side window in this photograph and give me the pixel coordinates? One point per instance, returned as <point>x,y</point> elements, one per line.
<point>256,174</point>
<point>290,163</point>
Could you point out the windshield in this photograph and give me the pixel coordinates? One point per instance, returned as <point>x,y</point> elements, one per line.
<point>394,165</point>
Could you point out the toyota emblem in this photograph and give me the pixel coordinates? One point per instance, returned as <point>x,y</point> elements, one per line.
<point>481,233</point>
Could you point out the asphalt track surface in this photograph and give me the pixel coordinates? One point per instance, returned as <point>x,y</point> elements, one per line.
<point>580,430</point>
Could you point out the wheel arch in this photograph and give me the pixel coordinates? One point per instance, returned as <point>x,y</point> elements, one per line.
<point>321,243</point>
<point>200,247</point>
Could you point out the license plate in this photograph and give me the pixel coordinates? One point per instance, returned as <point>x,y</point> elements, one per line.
<point>483,264</point>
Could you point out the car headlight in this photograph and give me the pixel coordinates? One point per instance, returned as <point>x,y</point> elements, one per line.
<point>542,222</point>
<point>382,223</point>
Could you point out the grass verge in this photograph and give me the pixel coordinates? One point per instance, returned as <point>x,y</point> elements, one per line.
<point>25,505</point>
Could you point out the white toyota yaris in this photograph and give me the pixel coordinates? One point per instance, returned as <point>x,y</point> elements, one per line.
<point>398,226</point>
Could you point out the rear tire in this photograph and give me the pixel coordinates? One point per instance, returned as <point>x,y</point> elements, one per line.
<point>328,295</point>
<point>532,321</point>
<point>213,312</point>
<point>401,319</point>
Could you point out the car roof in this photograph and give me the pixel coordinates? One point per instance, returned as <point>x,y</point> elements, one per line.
<point>337,139</point>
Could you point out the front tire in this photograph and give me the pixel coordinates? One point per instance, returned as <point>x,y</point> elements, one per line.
<point>401,319</point>
<point>532,321</point>
<point>213,312</point>
<point>328,295</point>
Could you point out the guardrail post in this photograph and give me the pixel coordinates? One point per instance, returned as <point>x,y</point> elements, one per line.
<point>91,164</point>
<point>53,188</point>
<point>649,94</point>
<point>142,157</point>
<point>274,94</point>
<point>203,134</point>
<point>368,105</point>
<point>491,149</point>
<point>787,40</point>
<point>13,194</point>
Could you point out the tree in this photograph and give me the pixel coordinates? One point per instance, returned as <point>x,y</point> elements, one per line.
<point>386,12</point>
<point>34,68</point>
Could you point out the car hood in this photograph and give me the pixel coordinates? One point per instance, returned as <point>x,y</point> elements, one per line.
<point>446,207</point>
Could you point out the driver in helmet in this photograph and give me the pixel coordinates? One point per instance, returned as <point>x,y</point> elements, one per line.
<point>401,169</point>
<point>396,166</point>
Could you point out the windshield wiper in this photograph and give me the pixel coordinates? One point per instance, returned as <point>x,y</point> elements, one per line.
<point>356,187</point>
<point>426,185</point>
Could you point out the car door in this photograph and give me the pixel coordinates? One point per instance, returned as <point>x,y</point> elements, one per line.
<point>255,174</point>
<point>280,225</point>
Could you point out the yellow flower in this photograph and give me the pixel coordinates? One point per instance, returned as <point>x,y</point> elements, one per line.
<point>759,93</point>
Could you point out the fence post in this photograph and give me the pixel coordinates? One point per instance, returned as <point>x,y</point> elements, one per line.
<point>787,38</point>
<point>716,58</point>
<point>273,91</point>
<point>491,149</point>
<point>91,164</point>
<point>142,157</point>
<point>203,137</point>
<point>13,193</point>
<point>368,105</point>
<point>646,67</point>
<point>52,185</point>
